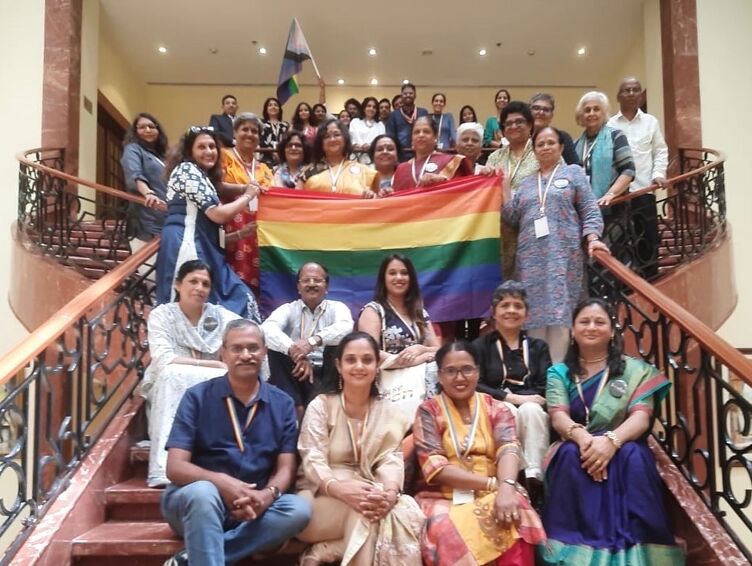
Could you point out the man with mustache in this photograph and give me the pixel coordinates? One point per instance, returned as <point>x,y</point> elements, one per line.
<point>302,335</point>
<point>231,457</point>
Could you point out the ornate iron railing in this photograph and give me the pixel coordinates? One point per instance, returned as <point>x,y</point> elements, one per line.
<point>62,217</point>
<point>654,231</point>
<point>705,424</point>
<point>62,386</point>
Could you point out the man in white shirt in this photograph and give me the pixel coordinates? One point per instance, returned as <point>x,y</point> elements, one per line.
<point>650,155</point>
<point>301,336</point>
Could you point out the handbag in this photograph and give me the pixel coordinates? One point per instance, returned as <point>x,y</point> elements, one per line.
<point>404,388</point>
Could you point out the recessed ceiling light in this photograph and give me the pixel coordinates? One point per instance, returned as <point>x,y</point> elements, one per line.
<point>482,52</point>
<point>213,50</point>
<point>162,49</point>
<point>405,81</point>
<point>372,52</point>
<point>531,52</point>
<point>581,51</point>
<point>262,50</point>
<point>374,82</point>
<point>340,81</point>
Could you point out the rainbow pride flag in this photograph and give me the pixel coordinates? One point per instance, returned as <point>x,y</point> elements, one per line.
<point>450,233</point>
<point>296,52</point>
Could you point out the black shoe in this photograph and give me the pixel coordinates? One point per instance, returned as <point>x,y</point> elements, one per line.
<point>179,559</point>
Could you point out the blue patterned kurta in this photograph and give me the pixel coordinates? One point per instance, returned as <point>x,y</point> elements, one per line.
<point>189,234</point>
<point>553,267</point>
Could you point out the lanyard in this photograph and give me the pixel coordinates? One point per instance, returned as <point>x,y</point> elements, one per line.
<point>334,177</point>
<point>468,443</point>
<point>586,151</point>
<point>543,194</point>
<point>236,424</point>
<point>411,327</point>
<point>601,386</point>
<point>409,119</point>
<point>525,360</point>
<point>251,171</point>
<point>356,443</point>
<point>314,324</point>
<point>528,145</point>
<point>422,169</point>
<point>441,121</point>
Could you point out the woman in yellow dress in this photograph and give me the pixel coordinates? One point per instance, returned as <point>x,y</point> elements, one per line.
<point>333,171</point>
<point>244,172</point>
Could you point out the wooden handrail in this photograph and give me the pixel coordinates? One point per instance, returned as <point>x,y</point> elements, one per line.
<point>47,333</point>
<point>62,175</point>
<point>732,358</point>
<point>720,157</point>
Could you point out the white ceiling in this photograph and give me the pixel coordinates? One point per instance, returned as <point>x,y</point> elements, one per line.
<point>339,33</point>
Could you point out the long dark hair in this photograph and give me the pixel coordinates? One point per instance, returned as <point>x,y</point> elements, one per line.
<point>615,360</point>
<point>413,298</point>
<point>296,122</point>
<point>265,111</point>
<point>332,385</point>
<point>184,152</point>
<point>159,148</point>
<point>462,110</point>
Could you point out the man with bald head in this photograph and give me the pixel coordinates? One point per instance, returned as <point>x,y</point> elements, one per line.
<point>651,160</point>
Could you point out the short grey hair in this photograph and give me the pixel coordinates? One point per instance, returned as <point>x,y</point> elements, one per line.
<point>544,96</point>
<point>598,97</point>
<point>244,117</point>
<point>240,324</point>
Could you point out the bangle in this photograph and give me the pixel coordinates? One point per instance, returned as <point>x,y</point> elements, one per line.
<point>571,428</point>
<point>327,483</point>
<point>615,440</point>
<point>491,483</point>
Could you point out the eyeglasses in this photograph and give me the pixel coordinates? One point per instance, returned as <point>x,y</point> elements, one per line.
<point>312,281</point>
<point>147,127</point>
<point>541,109</point>
<point>199,129</point>
<point>631,90</point>
<point>295,145</point>
<point>467,371</point>
<point>239,349</point>
<point>515,123</point>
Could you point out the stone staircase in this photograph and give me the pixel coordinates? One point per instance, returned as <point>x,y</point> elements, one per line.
<point>134,533</point>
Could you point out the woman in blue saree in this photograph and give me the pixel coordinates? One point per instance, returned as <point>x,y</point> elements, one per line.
<point>604,500</point>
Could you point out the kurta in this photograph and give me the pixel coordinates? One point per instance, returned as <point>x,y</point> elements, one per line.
<point>553,267</point>
<point>466,535</point>
<point>515,170</point>
<point>188,234</point>
<point>336,529</point>
<point>171,335</point>
<point>243,255</point>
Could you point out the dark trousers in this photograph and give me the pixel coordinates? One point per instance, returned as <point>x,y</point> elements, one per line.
<point>302,392</point>
<point>646,237</point>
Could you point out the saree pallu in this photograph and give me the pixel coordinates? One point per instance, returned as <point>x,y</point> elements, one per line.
<point>450,166</point>
<point>467,535</point>
<point>621,520</point>
<point>242,255</point>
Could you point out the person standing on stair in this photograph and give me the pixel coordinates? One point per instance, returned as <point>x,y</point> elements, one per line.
<point>231,458</point>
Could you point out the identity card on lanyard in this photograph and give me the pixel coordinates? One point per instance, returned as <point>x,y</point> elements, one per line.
<point>541,223</point>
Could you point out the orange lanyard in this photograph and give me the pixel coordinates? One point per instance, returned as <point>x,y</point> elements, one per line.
<point>237,432</point>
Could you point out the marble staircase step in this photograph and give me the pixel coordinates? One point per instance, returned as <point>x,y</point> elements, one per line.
<point>132,500</point>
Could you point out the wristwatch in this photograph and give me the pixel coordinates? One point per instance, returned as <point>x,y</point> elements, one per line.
<point>275,492</point>
<point>314,341</point>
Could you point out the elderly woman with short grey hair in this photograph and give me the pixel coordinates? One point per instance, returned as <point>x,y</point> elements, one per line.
<point>244,172</point>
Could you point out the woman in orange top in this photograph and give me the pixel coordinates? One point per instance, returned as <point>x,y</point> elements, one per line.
<point>244,172</point>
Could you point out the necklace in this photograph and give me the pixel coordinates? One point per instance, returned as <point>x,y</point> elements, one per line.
<point>594,360</point>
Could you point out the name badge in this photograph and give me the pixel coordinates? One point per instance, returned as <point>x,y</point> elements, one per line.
<point>561,183</point>
<point>432,167</point>
<point>462,496</point>
<point>440,145</point>
<point>541,227</point>
<point>253,205</point>
<point>354,170</point>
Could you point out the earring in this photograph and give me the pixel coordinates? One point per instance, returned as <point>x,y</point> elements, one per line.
<point>340,381</point>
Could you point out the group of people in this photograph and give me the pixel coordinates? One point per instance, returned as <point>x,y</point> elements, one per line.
<point>451,424</point>
<point>446,480</point>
